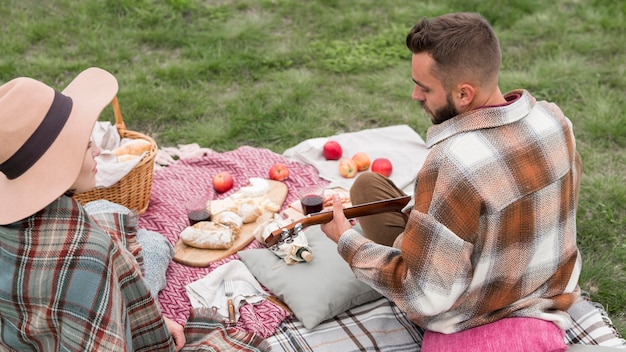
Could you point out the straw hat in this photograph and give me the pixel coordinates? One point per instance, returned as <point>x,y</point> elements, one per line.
<point>44,136</point>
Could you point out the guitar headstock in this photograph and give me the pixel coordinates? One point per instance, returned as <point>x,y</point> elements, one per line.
<point>284,234</point>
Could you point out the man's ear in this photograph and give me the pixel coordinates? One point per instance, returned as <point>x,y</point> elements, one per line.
<point>465,95</point>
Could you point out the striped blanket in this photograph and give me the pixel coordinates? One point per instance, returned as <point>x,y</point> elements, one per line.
<point>375,326</point>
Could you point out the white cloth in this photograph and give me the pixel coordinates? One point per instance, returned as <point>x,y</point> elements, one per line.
<point>208,291</point>
<point>168,155</point>
<point>400,144</point>
<point>110,171</point>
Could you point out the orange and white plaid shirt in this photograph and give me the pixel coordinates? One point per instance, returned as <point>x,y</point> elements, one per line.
<point>493,230</point>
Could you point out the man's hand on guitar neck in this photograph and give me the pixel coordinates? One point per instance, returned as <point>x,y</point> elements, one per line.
<point>336,227</point>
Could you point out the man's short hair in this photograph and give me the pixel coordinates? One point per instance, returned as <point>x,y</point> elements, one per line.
<point>463,46</point>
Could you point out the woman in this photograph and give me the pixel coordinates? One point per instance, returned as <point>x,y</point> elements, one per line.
<point>70,280</point>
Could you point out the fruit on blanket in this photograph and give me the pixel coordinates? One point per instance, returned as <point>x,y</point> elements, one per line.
<point>279,172</point>
<point>382,166</point>
<point>223,182</point>
<point>362,161</point>
<point>347,168</point>
<point>332,150</point>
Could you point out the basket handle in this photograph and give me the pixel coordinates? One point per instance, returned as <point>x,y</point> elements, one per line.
<point>119,121</point>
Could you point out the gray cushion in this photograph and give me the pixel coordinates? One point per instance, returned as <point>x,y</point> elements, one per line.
<point>315,291</point>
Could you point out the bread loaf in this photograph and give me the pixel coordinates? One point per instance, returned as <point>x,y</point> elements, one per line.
<point>230,219</point>
<point>126,157</point>
<point>135,147</point>
<point>208,235</point>
<point>249,212</point>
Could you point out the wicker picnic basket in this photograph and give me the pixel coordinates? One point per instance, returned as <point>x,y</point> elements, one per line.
<point>133,190</point>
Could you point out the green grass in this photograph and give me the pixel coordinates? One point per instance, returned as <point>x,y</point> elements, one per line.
<point>271,73</point>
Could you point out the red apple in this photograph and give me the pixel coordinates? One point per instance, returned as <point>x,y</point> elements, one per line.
<point>279,172</point>
<point>222,182</point>
<point>362,161</point>
<point>332,150</point>
<point>382,166</point>
<point>347,168</point>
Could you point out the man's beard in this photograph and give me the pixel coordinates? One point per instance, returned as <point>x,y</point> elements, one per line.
<point>445,113</point>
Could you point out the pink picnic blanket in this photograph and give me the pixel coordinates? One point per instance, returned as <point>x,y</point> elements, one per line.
<point>176,183</point>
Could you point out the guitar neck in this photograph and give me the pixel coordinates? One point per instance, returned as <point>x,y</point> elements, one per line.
<point>377,207</point>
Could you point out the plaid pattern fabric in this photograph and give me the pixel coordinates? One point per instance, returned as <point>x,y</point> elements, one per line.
<point>375,326</point>
<point>68,285</point>
<point>205,331</point>
<point>381,326</point>
<point>72,282</point>
<point>592,325</point>
<point>493,230</point>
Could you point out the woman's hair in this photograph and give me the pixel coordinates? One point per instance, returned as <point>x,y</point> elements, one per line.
<point>463,46</point>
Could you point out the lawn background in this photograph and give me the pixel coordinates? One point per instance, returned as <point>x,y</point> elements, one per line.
<point>271,73</point>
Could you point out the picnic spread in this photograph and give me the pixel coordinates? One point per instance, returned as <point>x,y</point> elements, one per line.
<point>311,306</point>
<point>191,255</point>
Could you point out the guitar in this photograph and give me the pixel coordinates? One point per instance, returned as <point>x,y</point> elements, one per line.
<point>377,207</point>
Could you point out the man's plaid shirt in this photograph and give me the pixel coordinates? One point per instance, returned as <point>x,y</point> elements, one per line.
<point>493,230</point>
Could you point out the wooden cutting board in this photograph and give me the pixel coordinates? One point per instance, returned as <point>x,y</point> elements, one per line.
<point>199,257</point>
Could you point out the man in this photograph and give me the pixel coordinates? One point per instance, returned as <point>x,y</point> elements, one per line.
<point>492,233</point>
